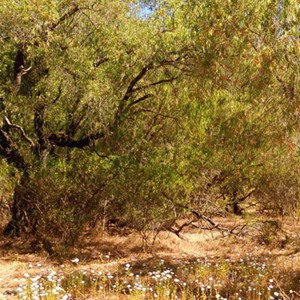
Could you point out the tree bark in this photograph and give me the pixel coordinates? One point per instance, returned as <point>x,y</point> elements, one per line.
<point>20,210</point>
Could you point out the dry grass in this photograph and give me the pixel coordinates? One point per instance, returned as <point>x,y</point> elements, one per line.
<point>100,251</point>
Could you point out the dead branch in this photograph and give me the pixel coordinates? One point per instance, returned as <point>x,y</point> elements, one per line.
<point>179,229</point>
<point>199,217</point>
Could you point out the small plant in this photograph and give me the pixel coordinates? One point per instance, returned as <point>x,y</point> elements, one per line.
<point>269,232</point>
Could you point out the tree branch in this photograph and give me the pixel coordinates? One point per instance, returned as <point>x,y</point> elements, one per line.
<point>135,80</point>
<point>19,71</point>
<point>23,134</point>
<point>64,17</point>
<point>199,216</point>
<point>10,152</point>
<point>246,196</point>
<point>99,61</point>
<point>154,83</point>
<point>63,140</point>
<point>139,100</point>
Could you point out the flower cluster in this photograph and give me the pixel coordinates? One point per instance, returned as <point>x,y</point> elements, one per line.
<point>201,278</point>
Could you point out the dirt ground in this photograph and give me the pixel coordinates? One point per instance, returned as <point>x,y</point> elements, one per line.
<point>99,250</point>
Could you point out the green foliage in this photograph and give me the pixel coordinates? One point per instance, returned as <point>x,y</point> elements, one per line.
<point>111,114</point>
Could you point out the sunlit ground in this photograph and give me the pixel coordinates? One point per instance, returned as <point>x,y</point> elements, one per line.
<point>201,265</point>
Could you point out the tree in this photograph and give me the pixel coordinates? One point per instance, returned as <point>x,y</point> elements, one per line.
<point>76,76</point>
<point>196,100</point>
<point>245,51</point>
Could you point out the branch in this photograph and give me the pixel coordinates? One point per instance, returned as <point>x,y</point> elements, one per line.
<point>67,15</point>
<point>139,100</point>
<point>155,83</point>
<point>99,61</point>
<point>58,94</point>
<point>63,140</point>
<point>200,216</point>
<point>214,225</point>
<point>246,196</point>
<point>179,229</point>
<point>39,113</point>
<point>18,78</point>
<point>132,87</point>
<point>10,152</point>
<point>23,134</point>
<point>288,90</point>
<point>135,80</point>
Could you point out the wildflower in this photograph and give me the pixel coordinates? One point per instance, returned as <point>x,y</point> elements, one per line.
<point>75,260</point>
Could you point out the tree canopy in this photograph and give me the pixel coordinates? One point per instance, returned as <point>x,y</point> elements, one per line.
<point>108,112</point>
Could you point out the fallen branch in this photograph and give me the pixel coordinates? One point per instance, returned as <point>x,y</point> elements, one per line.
<point>211,224</point>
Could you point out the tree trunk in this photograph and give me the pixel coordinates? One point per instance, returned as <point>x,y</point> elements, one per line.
<point>20,210</point>
<point>237,210</point>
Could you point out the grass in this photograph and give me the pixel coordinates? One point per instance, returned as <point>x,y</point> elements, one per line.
<point>197,278</point>
<point>200,266</point>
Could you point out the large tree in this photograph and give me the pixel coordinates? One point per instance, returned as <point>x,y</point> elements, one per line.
<point>76,75</point>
